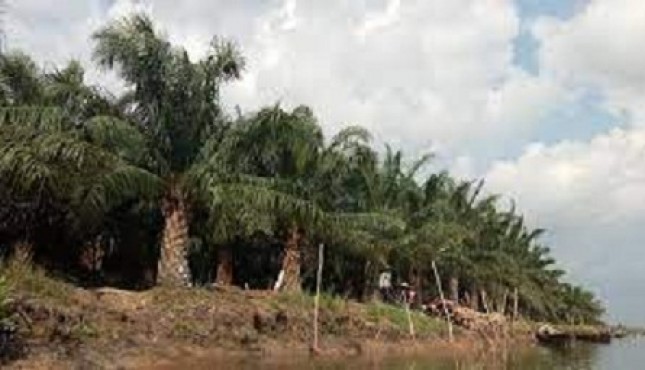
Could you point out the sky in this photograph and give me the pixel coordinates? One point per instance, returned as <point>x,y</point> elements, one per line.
<point>544,99</point>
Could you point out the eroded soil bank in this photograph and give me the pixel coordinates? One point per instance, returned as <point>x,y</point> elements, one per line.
<point>68,327</point>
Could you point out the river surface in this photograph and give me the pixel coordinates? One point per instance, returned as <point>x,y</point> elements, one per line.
<point>623,354</point>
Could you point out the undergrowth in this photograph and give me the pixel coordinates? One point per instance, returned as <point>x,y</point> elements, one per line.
<point>34,280</point>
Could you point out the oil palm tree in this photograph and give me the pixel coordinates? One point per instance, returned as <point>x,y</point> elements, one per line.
<point>67,89</point>
<point>175,103</point>
<point>20,80</point>
<point>287,150</point>
<point>56,162</point>
<point>47,170</point>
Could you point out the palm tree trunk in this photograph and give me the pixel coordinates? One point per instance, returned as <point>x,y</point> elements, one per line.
<point>173,264</point>
<point>454,289</point>
<point>474,298</point>
<point>224,275</point>
<point>91,260</point>
<point>292,261</point>
<point>501,305</point>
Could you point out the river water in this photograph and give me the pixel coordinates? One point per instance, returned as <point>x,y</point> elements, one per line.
<point>624,354</point>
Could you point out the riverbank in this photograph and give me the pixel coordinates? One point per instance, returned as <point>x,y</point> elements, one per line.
<point>64,326</point>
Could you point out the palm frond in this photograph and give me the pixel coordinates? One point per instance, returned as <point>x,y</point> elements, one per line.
<point>119,137</point>
<point>39,118</point>
<point>91,179</point>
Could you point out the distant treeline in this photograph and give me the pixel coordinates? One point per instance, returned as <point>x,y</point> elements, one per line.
<point>159,185</point>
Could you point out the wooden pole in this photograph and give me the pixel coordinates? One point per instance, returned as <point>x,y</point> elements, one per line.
<point>321,248</point>
<point>410,323</point>
<point>515,304</point>
<point>443,300</point>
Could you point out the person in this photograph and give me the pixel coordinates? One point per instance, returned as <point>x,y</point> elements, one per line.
<point>385,284</point>
<point>404,294</point>
<point>412,295</point>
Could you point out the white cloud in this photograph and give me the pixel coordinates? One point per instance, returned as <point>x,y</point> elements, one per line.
<point>591,197</point>
<point>422,73</point>
<point>377,20</point>
<point>601,48</point>
<point>416,72</point>
<point>597,181</point>
<point>52,36</point>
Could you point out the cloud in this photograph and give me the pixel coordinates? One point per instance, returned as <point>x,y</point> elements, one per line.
<point>599,48</point>
<point>421,74</point>
<point>590,196</point>
<point>601,180</point>
<point>380,19</point>
<point>51,36</point>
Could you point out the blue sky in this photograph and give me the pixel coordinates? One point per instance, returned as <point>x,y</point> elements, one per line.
<point>528,10</point>
<point>531,9</point>
<point>545,99</point>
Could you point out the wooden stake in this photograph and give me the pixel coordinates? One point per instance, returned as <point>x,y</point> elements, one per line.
<point>321,248</point>
<point>410,323</point>
<point>515,303</point>
<point>443,300</point>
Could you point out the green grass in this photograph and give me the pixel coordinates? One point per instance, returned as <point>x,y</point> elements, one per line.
<point>305,301</point>
<point>5,291</point>
<point>84,330</point>
<point>379,313</point>
<point>24,277</point>
<point>375,313</point>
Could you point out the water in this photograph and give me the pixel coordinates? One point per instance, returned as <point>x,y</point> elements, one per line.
<point>624,354</point>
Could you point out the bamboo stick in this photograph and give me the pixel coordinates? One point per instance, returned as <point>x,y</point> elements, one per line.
<point>443,300</point>
<point>515,304</point>
<point>410,323</point>
<point>502,309</point>
<point>321,248</point>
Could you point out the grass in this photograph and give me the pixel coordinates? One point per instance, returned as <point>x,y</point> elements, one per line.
<point>24,277</point>
<point>84,330</point>
<point>307,302</point>
<point>379,314</point>
<point>5,291</point>
<point>374,314</point>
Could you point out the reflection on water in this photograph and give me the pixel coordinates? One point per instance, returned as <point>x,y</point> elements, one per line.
<point>624,355</point>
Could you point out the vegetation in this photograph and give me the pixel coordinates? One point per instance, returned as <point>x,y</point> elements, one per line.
<point>160,185</point>
<point>4,298</point>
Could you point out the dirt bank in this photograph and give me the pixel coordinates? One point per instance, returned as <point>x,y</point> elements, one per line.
<point>69,327</point>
